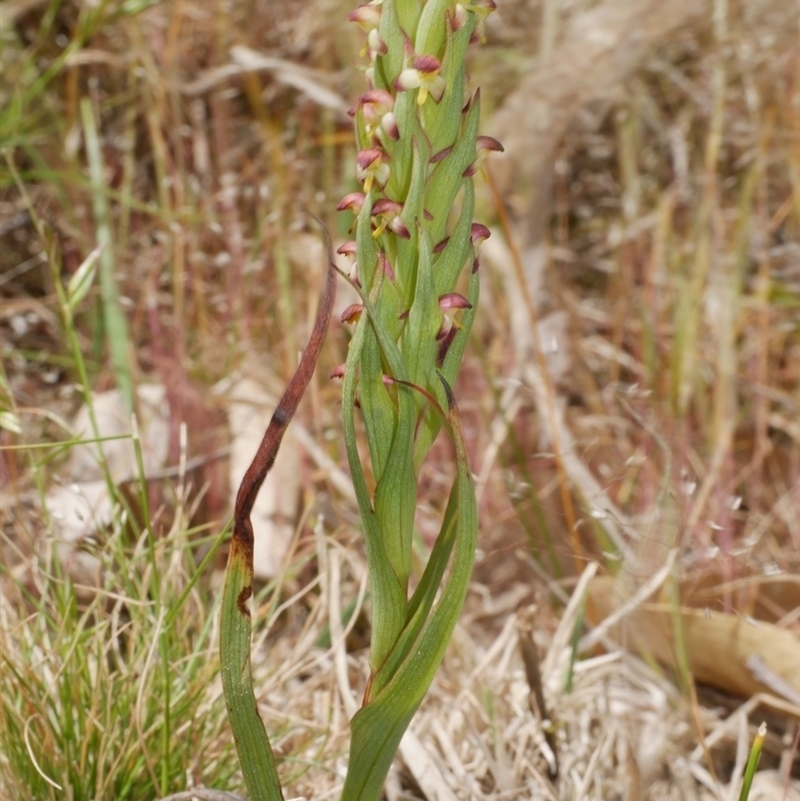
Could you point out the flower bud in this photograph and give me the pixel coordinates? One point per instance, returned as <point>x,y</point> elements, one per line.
<point>484,146</point>
<point>453,300</point>
<point>366,16</point>
<point>352,202</point>
<point>347,249</point>
<point>352,313</point>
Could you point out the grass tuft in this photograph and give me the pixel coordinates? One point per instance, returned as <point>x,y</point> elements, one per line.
<point>112,692</point>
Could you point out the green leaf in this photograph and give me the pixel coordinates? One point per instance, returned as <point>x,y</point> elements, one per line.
<point>252,744</point>
<point>396,494</point>
<point>388,596</point>
<point>378,727</point>
<point>452,362</point>
<point>407,257</point>
<point>442,120</point>
<point>405,112</point>
<point>413,206</point>
<point>377,408</point>
<point>432,28</point>
<point>422,601</point>
<point>446,272</point>
<point>424,320</point>
<point>449,173</point>
<point>408,13</point>
<point>391,31</point>
<point>395,497</point>
<point>450,262</point>
<point>255,753</point>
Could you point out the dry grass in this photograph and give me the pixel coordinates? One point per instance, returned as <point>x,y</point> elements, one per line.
<point>649,209</point>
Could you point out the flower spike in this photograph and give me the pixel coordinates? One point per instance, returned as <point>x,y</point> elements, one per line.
<point>414,164</point>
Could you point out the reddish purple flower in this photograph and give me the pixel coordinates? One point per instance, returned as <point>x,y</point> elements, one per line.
<point>423,75</point>
<point>372,165</point>
<point>379,101</point>
<point>479,233</point>
<point>367,16</point>
<point>453,300</point>
<point>376,105</point>
<point>347,249</point>
<point>389,211</point>
<point>483,146</point>
<point>352,313</point>
<point>450,303</point>
<point>352,202</point>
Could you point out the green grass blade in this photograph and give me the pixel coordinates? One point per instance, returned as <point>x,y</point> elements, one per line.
<point>114,318</point>
<point>752,762</point>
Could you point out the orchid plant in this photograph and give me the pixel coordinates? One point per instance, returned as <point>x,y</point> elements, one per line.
<point>415,258</point>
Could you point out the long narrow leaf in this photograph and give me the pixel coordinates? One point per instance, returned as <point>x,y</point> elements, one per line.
<point>395,497</point>
<point>252,744</point>
<point>388,597</point>
<point>378,727</point>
